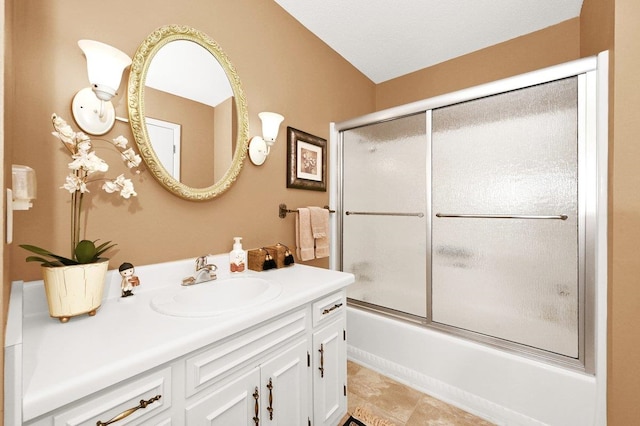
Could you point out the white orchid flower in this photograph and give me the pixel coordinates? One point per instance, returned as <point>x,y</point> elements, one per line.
<point>110,187</point>
<point>73,183</point>
<point>131,158</point>
<point>84,146</point>
<point>89,162</point>
<point>64,132</point>
<point>127,189</point>
<point>83,163</point>
<point>83,142</point>
<point>120,142</point>
<point>122,185</point>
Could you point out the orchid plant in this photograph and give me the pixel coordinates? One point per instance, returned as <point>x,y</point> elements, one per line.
<point>86,168</point>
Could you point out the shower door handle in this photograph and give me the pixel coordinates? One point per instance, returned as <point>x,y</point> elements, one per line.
<point>503,216</point>
<point>348,213</point>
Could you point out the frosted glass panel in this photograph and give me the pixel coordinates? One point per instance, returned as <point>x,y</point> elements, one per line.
<point>385,171</point>
<point>509,154</point>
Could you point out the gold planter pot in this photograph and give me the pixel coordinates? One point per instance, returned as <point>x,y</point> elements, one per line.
<point>74,290</point>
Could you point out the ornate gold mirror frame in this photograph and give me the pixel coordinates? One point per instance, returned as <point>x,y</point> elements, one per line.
<point>136,106</point>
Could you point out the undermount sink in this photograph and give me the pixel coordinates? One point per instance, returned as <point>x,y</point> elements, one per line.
<point>216,297</point>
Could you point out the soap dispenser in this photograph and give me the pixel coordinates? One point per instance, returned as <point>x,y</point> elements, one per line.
<point>237,257</point>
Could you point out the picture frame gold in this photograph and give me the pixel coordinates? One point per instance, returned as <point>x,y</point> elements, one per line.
<point>306,161</point>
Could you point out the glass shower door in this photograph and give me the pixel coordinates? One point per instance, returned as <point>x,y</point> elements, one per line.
<point>505,257</point>
<point>384,222</point>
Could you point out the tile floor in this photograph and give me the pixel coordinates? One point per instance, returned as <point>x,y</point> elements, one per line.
<point>398,404</point>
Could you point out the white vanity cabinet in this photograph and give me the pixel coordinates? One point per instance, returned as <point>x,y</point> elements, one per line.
<point>285,387</point>
<point>259,377</point>
<point>288,371</point>
<point>329,360</point>
<point>275,393</point>
<point>300,383</point>
<point>277,365</point>
<point>235,403</point>
<point>154,388</point>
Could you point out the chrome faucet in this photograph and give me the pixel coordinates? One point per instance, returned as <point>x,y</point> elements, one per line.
<point>204,272</point>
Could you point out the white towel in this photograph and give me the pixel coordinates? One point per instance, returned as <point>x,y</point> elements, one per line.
<point>320,230</point>
<point>304,237</point>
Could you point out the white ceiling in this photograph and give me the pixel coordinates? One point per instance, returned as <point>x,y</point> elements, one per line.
<point>186,69</point>
<point>385,39</point>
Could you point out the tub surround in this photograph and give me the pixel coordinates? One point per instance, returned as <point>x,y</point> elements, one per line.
<point>496,385</point>
<point>65,362</point>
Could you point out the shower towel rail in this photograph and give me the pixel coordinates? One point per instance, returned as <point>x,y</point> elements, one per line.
<point>503,216</point>
<point>283,210</point>
<point>384,214</point>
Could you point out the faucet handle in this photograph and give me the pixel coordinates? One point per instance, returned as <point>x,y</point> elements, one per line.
<point>201,263</point>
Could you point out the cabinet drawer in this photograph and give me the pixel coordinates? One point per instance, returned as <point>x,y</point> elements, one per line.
<point>329,307</point>
<point>106,405</point>
<point>218,361</point>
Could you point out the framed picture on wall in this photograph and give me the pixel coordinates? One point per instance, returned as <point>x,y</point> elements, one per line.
<point>306,161</point>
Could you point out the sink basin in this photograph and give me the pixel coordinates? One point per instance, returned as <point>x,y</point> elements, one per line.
<point>216,297</point>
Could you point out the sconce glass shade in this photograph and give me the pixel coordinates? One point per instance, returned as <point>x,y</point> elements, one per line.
<point>105,65</point>
<point>270,126</point>
<point>91,107</point>
<point>259,147</point>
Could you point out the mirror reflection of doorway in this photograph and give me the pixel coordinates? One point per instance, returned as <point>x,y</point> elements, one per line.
<point>166,144</point>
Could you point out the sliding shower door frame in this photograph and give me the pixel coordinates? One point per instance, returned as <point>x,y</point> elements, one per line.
<point>592,154</point>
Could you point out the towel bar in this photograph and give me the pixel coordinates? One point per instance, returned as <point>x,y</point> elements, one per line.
<point>282,212</point>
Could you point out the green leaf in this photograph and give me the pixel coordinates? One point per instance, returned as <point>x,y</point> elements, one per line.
<point>104,247</point>
<point>86,251</point>
<point>37,259</point>
<point>59,260</point>
<point>36,249</point>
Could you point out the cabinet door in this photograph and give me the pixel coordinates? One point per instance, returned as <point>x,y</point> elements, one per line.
<point>329,373</point>
<point>236,403</point>
<point>285,387</point>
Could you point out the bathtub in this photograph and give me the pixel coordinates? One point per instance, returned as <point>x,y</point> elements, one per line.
<point>503,387</point>
<point>498,386</point>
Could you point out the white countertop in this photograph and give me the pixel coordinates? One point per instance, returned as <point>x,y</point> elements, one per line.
<point>64,362</point>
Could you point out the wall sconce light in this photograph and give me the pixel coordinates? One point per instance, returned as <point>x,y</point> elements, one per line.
<point>92,108</point>
<point>259,147</point>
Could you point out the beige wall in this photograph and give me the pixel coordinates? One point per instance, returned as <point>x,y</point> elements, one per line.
<point>198,124</point>
<point>513,57</point>
<point>5,153</point>
<point>298,76</point>
<point>624,227</point>
<point>293,73</point>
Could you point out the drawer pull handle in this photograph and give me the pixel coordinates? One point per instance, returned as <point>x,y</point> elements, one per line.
<point>334,307</point>
<point>270,408</point>
<point>256,396</point>
<point>321,368</point>
<point>130,411</point>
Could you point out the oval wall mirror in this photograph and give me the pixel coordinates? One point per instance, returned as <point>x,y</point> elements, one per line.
<point>188,113</point>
